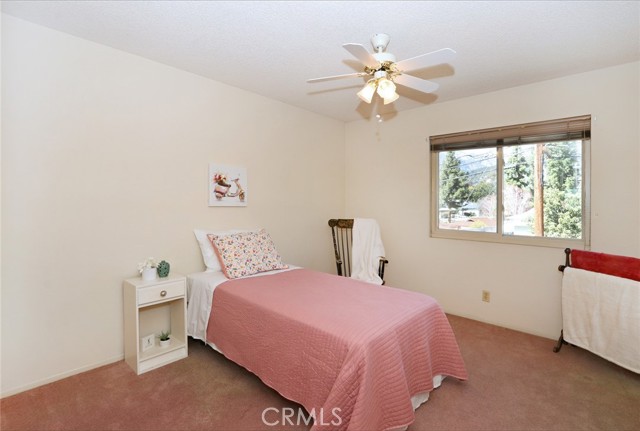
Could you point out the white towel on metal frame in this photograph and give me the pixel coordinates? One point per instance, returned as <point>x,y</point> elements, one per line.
<point>601,313</point>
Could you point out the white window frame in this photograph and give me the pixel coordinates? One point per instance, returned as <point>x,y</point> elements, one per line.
<point>498,236</point>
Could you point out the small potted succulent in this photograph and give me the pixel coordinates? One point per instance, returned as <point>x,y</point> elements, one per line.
<point>163,269</point>
<point>165,339</point>
<point>147,269</point>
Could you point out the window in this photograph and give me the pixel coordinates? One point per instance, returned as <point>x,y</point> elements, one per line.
<point>525,184</point>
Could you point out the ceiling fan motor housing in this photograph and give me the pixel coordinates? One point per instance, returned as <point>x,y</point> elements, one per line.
<point>382,57</point>
<point>380,42</point>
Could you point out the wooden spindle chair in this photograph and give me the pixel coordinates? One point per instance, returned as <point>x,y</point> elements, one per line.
<point>342,232</point>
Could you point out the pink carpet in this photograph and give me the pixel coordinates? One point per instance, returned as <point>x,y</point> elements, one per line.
<point>516,382</point>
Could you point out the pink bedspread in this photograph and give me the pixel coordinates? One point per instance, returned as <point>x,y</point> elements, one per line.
<point>330,342</point>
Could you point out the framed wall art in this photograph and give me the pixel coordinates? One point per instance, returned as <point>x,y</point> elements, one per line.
<point>227,186</point>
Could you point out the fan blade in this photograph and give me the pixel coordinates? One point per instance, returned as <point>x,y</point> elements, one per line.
<point>361,53</point>
<point>426,60</point>
<point>327,78</point>
<point>416,83</point>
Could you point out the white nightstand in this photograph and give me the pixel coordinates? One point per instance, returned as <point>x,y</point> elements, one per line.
<point>151,307</point>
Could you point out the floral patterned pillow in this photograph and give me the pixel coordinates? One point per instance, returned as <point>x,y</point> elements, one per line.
<point>246,253</point>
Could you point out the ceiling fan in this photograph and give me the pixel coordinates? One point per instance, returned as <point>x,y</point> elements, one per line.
<point>385,72</point>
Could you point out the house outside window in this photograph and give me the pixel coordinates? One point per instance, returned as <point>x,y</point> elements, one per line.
<point>523,184</point>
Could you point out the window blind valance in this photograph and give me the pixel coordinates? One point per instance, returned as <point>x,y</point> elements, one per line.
<point>565,129</point>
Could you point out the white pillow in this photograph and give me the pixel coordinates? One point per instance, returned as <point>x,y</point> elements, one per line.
<point>208,254</point>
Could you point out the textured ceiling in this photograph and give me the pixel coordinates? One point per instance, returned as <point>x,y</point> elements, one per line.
<point>272,48</point>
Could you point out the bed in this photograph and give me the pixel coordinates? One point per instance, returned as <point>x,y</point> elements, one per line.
<point>358,355</point>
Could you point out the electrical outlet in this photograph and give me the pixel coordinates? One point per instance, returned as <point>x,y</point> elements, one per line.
<point>147,342</point>
<point>486,296</point>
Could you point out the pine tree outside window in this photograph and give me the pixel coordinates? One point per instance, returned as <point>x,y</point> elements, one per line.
<point>524,184</point>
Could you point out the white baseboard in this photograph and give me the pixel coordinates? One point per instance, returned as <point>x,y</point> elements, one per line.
<point>60,376</point>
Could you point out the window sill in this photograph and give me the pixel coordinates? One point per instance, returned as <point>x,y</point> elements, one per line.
<point>510,239</point>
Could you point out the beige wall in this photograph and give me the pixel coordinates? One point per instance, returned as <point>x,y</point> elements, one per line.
<point>387,177</point>
<point>104,162</point>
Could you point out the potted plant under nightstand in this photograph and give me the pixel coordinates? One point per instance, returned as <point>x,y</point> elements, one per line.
<point>165,339</point>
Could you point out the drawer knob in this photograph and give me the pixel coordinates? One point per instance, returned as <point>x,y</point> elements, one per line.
<point>163,293</point>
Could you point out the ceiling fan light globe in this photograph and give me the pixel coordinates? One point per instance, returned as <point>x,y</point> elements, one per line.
<point>366,94</point>
<point>395,96</point>
<point>386,88</point>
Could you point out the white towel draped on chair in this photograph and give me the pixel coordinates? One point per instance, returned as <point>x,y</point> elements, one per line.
<point>367,249</point>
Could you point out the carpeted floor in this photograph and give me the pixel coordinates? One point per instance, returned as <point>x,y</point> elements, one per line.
<point>515,382</point>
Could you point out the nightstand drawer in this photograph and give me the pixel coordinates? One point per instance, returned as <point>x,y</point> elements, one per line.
<point>162,292</point>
